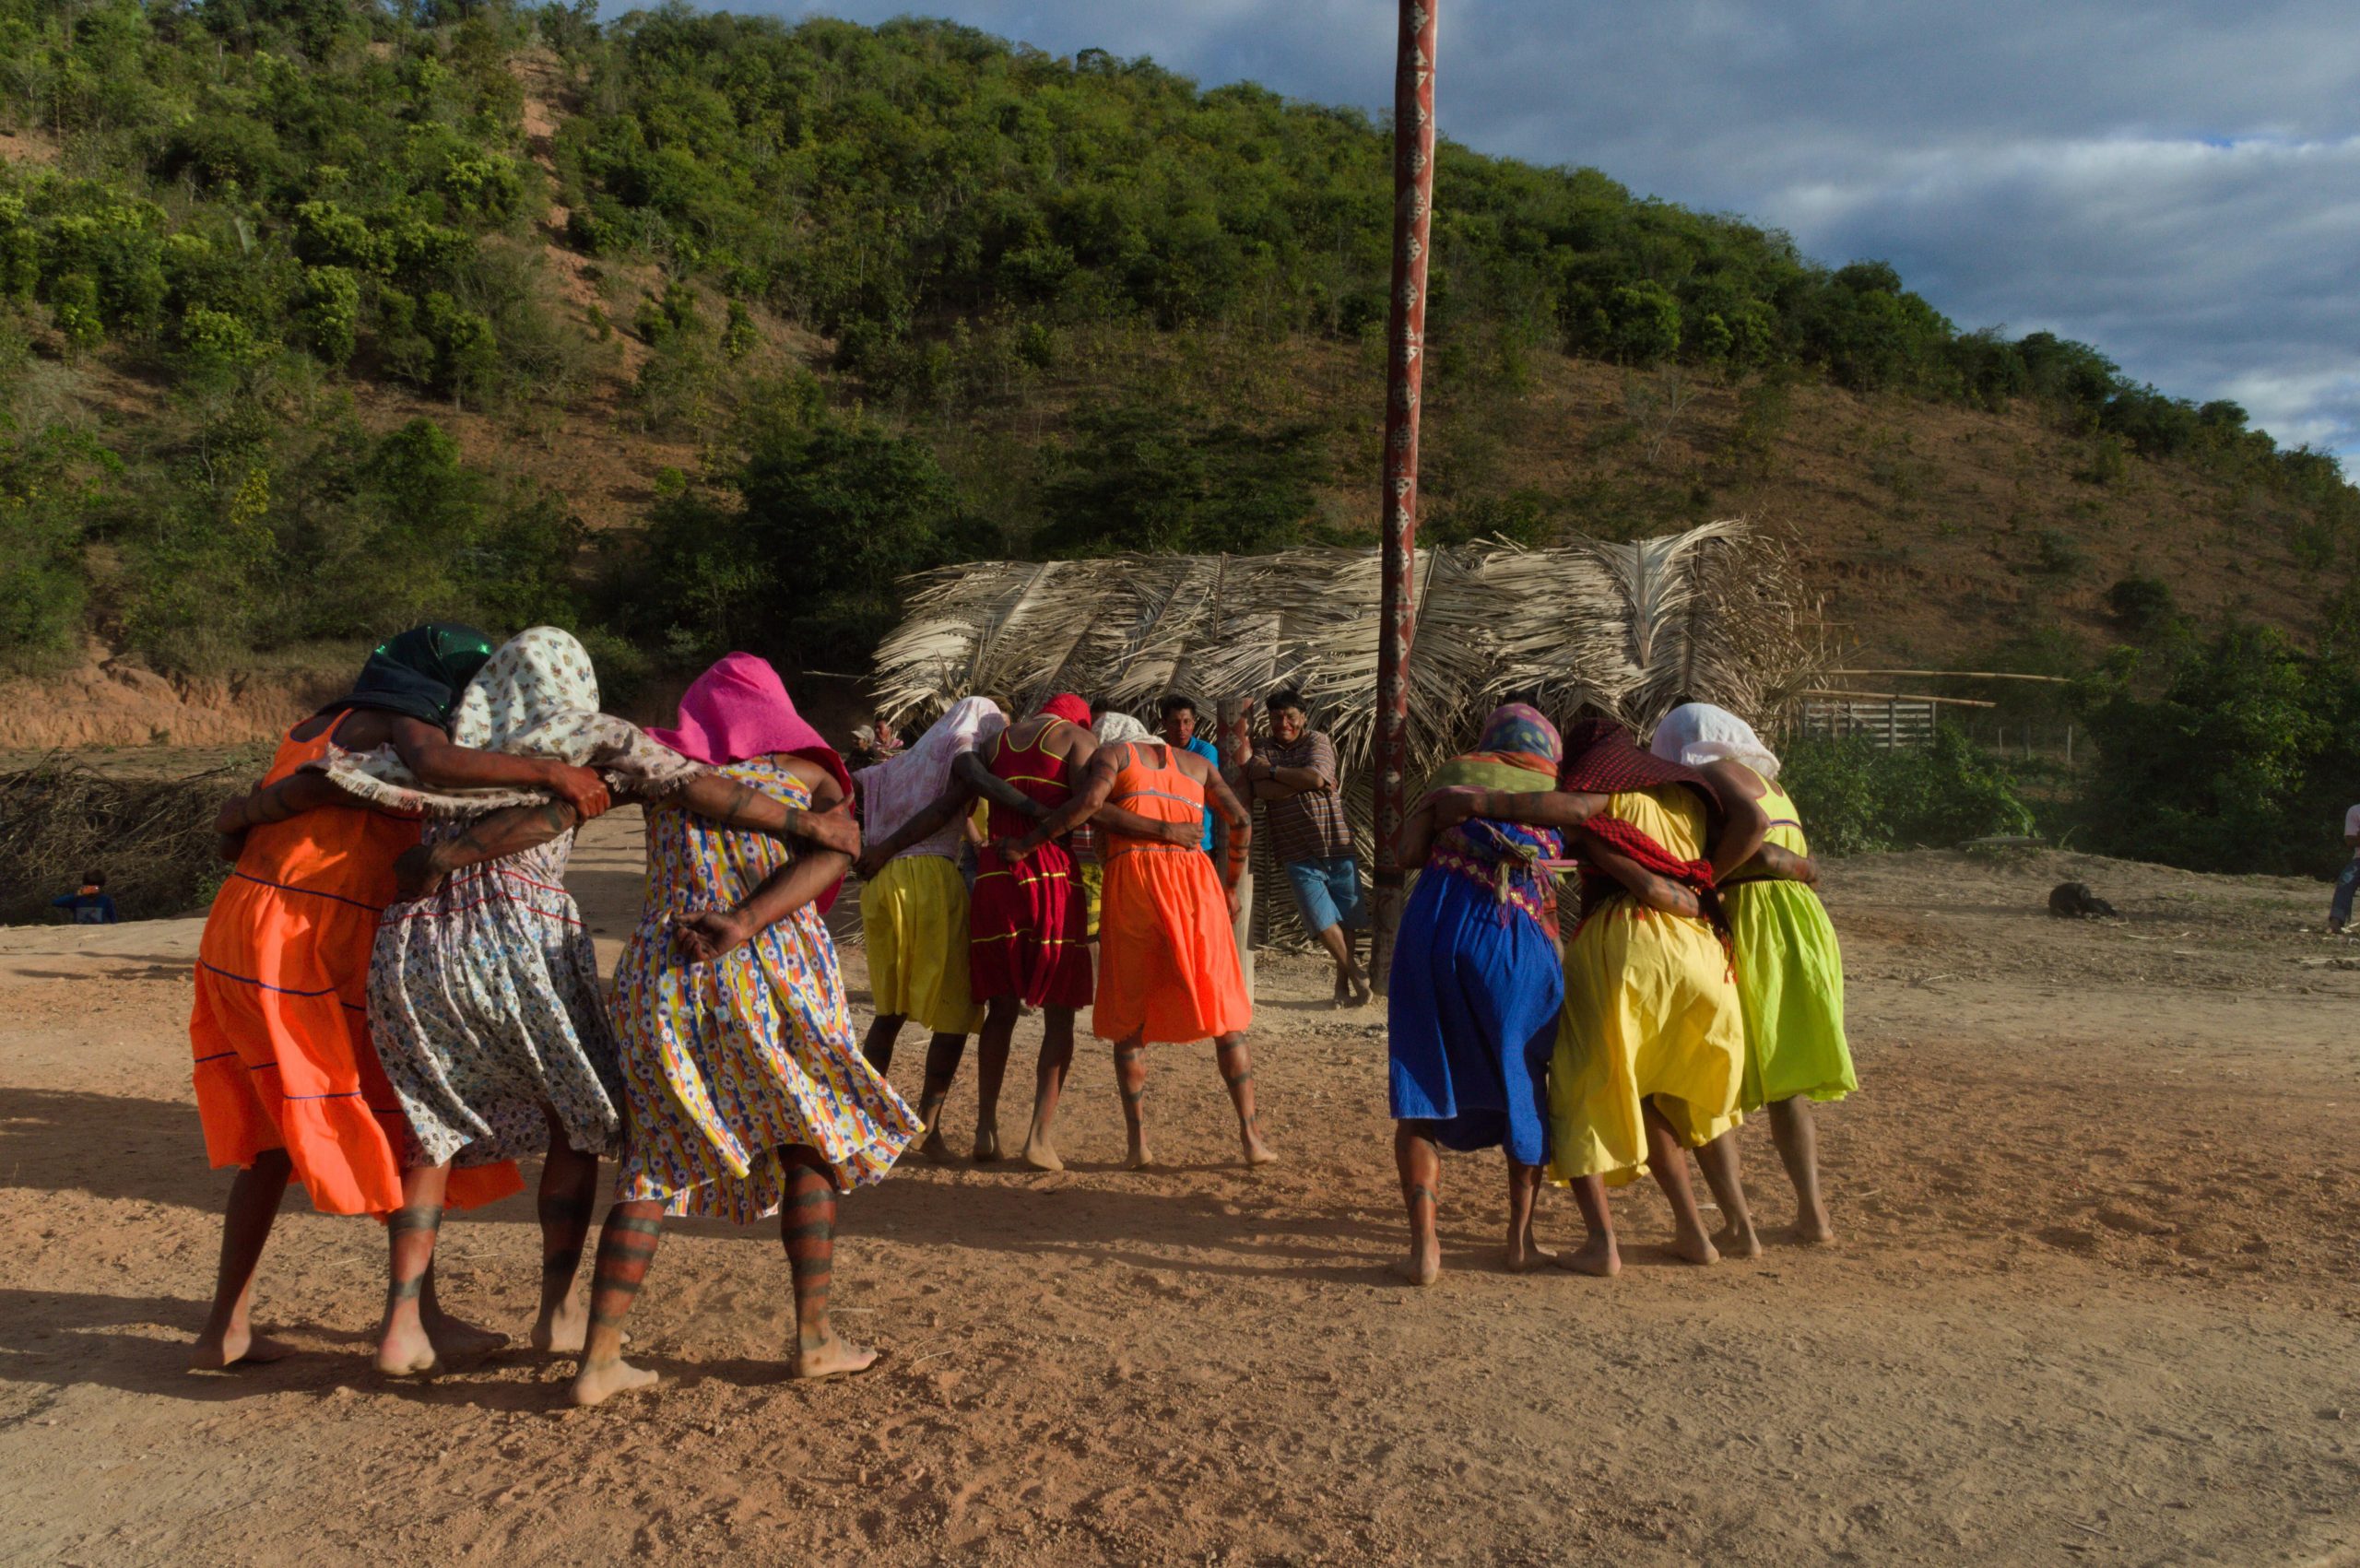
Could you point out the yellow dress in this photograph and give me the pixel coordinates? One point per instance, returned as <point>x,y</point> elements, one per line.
<point>1651,1009</point>
<point>913,920</point>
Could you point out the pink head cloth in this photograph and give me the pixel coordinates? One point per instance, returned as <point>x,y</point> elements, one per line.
<point>1068,707</point>
<point>739,708</point>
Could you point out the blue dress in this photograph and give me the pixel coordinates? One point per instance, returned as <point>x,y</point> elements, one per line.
<point>1475,990</point>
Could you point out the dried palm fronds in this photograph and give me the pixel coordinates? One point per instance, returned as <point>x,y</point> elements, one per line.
<point>1626,628</point>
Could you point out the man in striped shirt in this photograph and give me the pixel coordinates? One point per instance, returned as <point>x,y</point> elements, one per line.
<point>1296,778</point>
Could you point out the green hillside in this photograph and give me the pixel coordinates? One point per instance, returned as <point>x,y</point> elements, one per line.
<point>694,331</point>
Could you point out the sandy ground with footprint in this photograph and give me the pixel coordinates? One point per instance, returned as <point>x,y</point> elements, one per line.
<point>2095,1301</point>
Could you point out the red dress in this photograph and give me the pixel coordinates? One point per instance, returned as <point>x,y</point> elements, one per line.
<point>1025,923</point>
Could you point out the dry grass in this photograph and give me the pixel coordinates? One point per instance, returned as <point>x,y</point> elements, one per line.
<point>153,838</point>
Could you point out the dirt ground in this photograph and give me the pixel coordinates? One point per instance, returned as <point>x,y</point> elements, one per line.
<point>2094,1301</point>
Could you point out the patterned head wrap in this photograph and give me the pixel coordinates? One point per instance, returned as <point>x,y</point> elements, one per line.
<point>1518,730</point>
<point>420,673</point>
<point>1698,733</point>
<point>1114,728</point>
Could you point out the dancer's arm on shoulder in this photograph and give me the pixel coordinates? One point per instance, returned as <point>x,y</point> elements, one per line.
<point>495,835</point>
<point>956,798</point>
<point>290,796</point>
<point>439,763</point>
<point>972,771</point>
<point>1744,824</point>
<point>1096,786</point>
<point>1785,864</point>
<point>723,799</point>
<point>1417,839</point>
<point>1540,808</point>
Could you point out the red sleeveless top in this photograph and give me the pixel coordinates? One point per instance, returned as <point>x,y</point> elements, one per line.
<point>1042,774</point>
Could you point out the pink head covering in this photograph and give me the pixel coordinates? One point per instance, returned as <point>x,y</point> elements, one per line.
<point>739,708</point>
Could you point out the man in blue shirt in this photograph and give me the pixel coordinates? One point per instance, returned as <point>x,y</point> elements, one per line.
<point>1180,732</point>
<point>90,905</point>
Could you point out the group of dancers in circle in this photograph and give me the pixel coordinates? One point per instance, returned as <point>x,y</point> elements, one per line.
<point>397,999</point>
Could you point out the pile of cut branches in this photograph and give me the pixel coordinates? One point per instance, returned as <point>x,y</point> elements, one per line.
<point>152,838</point>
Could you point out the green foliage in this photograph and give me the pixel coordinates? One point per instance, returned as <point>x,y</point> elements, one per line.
<point>1143,477</point>
<point>2243,763</point>
<point>2144,605</point>
<point>830,512</point>
<point>48,487</point>
<point>1856,797</point>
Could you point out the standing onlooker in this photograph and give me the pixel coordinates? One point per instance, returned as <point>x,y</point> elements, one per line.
<point>2339,913</point>
<point>88,905</point>
<point>1297,777</point>
<point>1180,730</point>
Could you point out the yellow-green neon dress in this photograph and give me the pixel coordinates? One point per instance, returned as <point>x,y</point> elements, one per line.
<point>1651,1009</point>
<point>1789,978</point>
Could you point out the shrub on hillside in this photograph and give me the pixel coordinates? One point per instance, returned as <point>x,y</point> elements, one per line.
<point>1856,797</point>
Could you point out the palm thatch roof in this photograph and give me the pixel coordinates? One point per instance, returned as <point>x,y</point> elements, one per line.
<point>1715,613</point>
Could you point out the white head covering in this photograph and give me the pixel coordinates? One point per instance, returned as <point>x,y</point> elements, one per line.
<point>907,783</point>
<point>1114,728</point>
<point>1697,733</point>
<point>536,697</point>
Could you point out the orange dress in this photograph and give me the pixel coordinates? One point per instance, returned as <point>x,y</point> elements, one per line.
<point>1167,954</point>
<point>280,1030</point>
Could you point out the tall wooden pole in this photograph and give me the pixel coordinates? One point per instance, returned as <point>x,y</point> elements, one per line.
<point>1413,187</point>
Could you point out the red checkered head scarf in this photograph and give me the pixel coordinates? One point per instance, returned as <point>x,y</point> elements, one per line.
<point>1601,758</point>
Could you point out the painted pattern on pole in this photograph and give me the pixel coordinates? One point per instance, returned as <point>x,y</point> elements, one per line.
<point>1413,183</point>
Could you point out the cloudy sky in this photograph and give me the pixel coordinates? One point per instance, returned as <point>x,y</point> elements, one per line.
<point>2176,182</point>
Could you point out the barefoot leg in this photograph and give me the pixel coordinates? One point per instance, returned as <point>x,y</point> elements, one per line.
<point>1417,1159</point>
<point>1797,1140</point>
<point>1238,1072</point>
<point>626,1246</point>
<point>1130,1080</point>
<point>1718,1161</point>
<point>1598,1255</point>
<point>1339,953</point>
<point>1056,1057</point>
<point>807,1223</point>
<point>1524,1187</point>
<point>229,1336</point>
<point>877,1044</point>
<point>403,1347</point>
<point>1669,1159</point>
<point>942,1055</point>
<point>569,1192</point>
<point>991,1067</point>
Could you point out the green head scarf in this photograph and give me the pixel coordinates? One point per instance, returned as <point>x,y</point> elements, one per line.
<point>420,673</point>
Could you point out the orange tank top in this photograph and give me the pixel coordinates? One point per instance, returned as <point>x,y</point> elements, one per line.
<point>1161,793</point>
<point>340,852</point>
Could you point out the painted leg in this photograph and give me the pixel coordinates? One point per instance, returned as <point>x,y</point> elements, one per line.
<point>878,1045</point>
<point>807,1223</point>
<point>1130,1080</point>
<point>1598,1255</point>
<point>228,1338</point>
<point>1718,1161</point>
<point>991,1067</point>
<point>569,1193</point>
<point>626,1246</point>
<point>1524,1187</point>
<point>1669,1159</point>
<point>942,1055</point>
<point>1056,1059</point>
<point>404,1349</point>
<point>1797,1140</point>
<point>1418,1160</point>
<point>1238,1072</point>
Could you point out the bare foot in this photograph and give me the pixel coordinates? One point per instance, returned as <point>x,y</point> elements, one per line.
<point>1344,998</point>
<point>598,1382</point>
<point>833,1357</point>
<point>986,1144</point>
<point>1257,1151</point>
<point>1812,1232</point>
<point>1363,993</point>
<point>1139,1158</point>
<point>564,1330</point>
<point>1041,1155</point>
<point>1694,1246</point>
<point>1526,1255</point>
<point>933,1151</point>
<point>1423,1267</point>
<point>406,1352</point>
<point>239,1347</point>
<point>461,1340</point>
<point>1598,1258</point>
<point>1735,1242</point>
